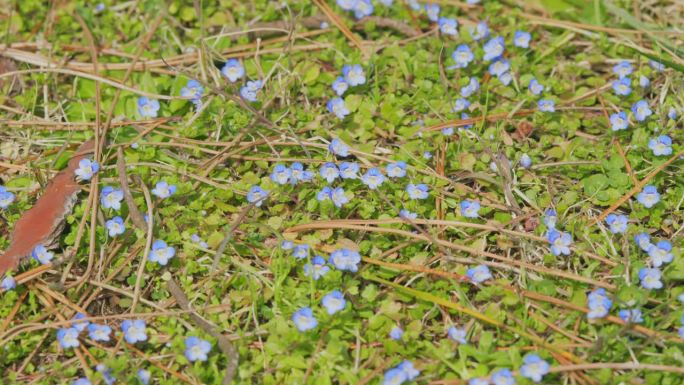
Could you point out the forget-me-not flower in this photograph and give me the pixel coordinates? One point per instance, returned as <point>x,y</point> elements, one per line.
<point>641,110</point>
<point>345,259</point>
<point>8,283</point>
<point>448,26</point>
<point>494,48</point>
<point>462,56</point>
<point>617,223</point>
<point>649,196</point>
<point>469,209</point>
<point>535,87</point>
<point>163,189</point>
<point>98,332</point>
<point>68,338</point>
<point>660,253</point>
<point>338,147</point>
<point>115,226</point>
<point>363,8</point>
<point>197,349</point>
<point>373,178</point>
<point>650,278</point>
<point>598,303</point>
<point>632,316</point>
<point>297,173</point>
<point>329,172</point>
<point>304,319</point>
<point>457,334</point>
<point>86,169</point>
<point>546,105</point>
<point>300,251</point>
<point>622,86</point>
<point>317,268</point>
<point>281,174</point>
<point>134,330</point>
<point>432,11</point>
<point>479,31</point>
<point>41,254</point>
<point>353,74</point>
<point>661,145</point>
<point>340,86</point>
<point>349,170</point>
<point>233,70</point>
<point>257,195</point>
<point>534,367</point>
<point>560,242</point>
<point>417,191</point>
<point>338,197</point>
<point>161,252</point>
<point>643,241</point>
<point>503,377</point>
<point>249,90</point>
<point>479,274</point>
<point>6,198</point>
<point>396,333</point>
<point>337,107</point>
<point>522,39</point>
<point>619,121</point>
<point>460,105</point>
<point>110,198</point>
<point>148,108</point>
<point>333,302</point>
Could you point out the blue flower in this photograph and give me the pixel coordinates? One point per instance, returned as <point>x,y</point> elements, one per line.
<point>106,373</point>
<point>194,90</point>
<point>650,278</point>
<point>115,226</point>
<point>672,113</point>
<point>340,86</point>
<point>632,316</point>
<point>480,31</point>
<point>432,11</point>
<point>354,75</point>
<point>68,338</point>
<point>349,170</point>
<point>81,325</point>
<point>345,260</point>
<point>394,376</point>
<point>233,70</point>
<point>460,105</point>
<point>337,107</point>
<point>347,5</point>
<point>257,195</point>
<point>329,172</point>
<point>457,334</point>
<point>447,131</point>
<point>525,161</point>
<point>469,209</point>
<point>472,87</point>
<point>560,242</point>
<point>363,8</point>
<point>462,56</point>
<point>660,253</point>
<point>317,268</point>
<point>81,381</point>
<point>494,48</point>
<point>373,178</point>
<point>622,86</point>
<point>598,303</point>
<point>281,174</point>
<point>161,252</point>
<point>649,196</point>
<point>658,66</point>
<point>304,319</point>
<point>196,238</point>
<point>448,26</point>
<point>8,283</point>
<point>333,302</point>
<point>396,170</point>
<point>619,121</point>
<point>478,381</point>
<point>661,145</point>
<point>406,214</point>
<point>622,69</point>
<point>338,197</point>
<point>643,240</point>
<point>324,194</point>
<point>144,376</point>
<point>286,245</point>
<point>300,251</point>
<point>297,173</point>
<point>417,191</point>
<point>396,333</point>
<point>99,332</point>
<point>409,369</point>
<point>6,198</point>
<point>338,147</point>
<point>148,108</point>
<point>534,367</point>
<point>427,155</point>
<point>414,4</point>
<point>196,349</point>
<point>506,78</point>
<point>42,255</point>
<point>522,39</point>
<point>479,273</point>
<point>550,218</point>
<point>86,169</point>
<point>546,105</point>
<point>111,198</point>
<point>535,87</point>
<point>134,330</point>
<point>503,377</point>
<point>249,90</point>
<point>499,67</point>
<point>641,110</point>
<point>163,190</point>
<point>617,223</point>
<point>644,82</point>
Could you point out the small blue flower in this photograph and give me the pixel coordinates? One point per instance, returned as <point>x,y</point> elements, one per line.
<point>619,121</point>
<point>672,113</point>
<point>417,191</point>
<point>337,107</point>
<point>194,90</point>
<point>465,116</point>
<point>448,26</point>
<point>460,105</point>
<point>8,283</point>
<point>394,376</point>
<point>406,214</point>
<point>644,82</point>
<point>340,86</point>
<point>99,332</point>
<point>643,241</point>
<point>650,278</point>
<point>349,170</point>
<point>197,349</point>
<point>6,198</point>
<point>598,303</point>
<point>472,87</point>
<point>522,39</point>
<point>447,131</point>
<point>658,66</point>
<point>617,223</point>
<point>560,242</point>
<point>281,174</point>
<point>550,218</point>
<point>347,5</point>
<point>257,195</point>
<point>363,8</point>
<point>494,48</point>
<point>81,325</point>
<point>499,67</point>
<point>396,333</point>
<point>42,255</point>
<point>148,108</point>
<point>649,196</point>
<point>110,198</point>
<point>345,260</point>
<point>329,172</point>
<point>462,56</point>
<point>86,169</point>
<point>413,4</point>
<point>82,381</point>
<point>503,377</point>
<point>286,244</point>
<point>534,367</point>
<point>300,251</point>
<point>144,376</point>
<point>661,145</point>
<point>480,31</point>
<point>457,334</point>
<point>317,268</point>
<point>333,302</point>
<point>622,69</point>
<point>196,238</point>
<point>354,75</point>
<point>106,373</point>
<point>546,105</point>
<point>115,226</point>
<point>535,87</point>
<point>660,253</point>
<point>324,194</point>
<point>432,11</point>
<point>161,252</point>
<point>469,209</point>
<point>297,173</point>
<point>233,70</point>
<point>249,90</point>
<point>479,274</point>
<point>134,330</point>
<point>68,338</point>
<point>163,190</point>
<point>373,178</point>
<point>396,170</point>
<point>427,155</point>
<point>622,86</point>
<point>632,316</point>
<point>641,110</point>
<point>525,161</point>
<point>409,369</point>
<point>338,147</point>
<point>478,381</point>
<point>506,78</point>
<point>304,319</point>
<point>338,197</point>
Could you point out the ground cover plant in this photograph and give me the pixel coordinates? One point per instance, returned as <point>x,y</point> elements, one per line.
<point>349,192</point>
